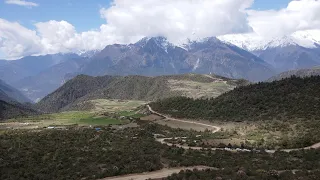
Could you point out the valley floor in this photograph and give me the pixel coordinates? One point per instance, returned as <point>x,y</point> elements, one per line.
<point>98,149</point>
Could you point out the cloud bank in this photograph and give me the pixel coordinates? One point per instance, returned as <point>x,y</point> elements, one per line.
<point>127,21</point>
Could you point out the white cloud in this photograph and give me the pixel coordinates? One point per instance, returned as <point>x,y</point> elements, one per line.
<point>127,21</point>
<point>17,40</point>
<point>21,3</point>
<point>177,19</point>
<point>298,15</point>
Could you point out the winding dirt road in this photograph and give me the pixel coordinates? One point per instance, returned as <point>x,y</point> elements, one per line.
<point>156,174</point>
<point>169,171</point>
<point>213,128</point>
<point>216,129</point>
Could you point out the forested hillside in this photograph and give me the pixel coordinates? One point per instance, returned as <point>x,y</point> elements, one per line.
<point>83,88</point>
<point>292,98</point>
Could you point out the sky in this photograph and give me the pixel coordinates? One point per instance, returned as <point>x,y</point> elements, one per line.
<point>34,27</point>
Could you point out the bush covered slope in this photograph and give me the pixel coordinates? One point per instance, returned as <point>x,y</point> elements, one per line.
<point>83,88</point>
<point>292,98</point>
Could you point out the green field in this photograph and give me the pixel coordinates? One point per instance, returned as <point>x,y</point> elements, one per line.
<point>70,118</point>
<point>101,121</point>
<point>130,114</point>
<point>106,112</point>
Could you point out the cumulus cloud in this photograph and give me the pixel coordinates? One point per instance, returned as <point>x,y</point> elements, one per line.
<point>16,40</point>
<point>177,19</point>
<point>128,21</point>
<point>298,15</point>
<point>22,3</point>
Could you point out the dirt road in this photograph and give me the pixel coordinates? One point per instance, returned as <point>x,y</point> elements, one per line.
<point>213,128</point>
<point>216,129</point>
<point>156,174</point>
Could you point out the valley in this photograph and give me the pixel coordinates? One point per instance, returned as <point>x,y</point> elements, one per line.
<point>163,127</point>
<point>170,136</point>
<point>160,90</point>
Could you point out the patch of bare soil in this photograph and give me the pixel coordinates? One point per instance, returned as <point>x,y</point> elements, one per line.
<point>184,125</point>
<point>151,117</point>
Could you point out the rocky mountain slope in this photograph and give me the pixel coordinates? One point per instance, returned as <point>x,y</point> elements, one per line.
<point>156,56</point>
<point>315,71</point>
<point>83,88</point>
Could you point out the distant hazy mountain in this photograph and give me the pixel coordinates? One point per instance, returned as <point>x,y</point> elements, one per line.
<point>14,70</point>
<point>10,103</point>
<point>156,56</point>
<point>290,57</point>
<point>299,73</point>
<point>299,50</point>
<point>8,93</point>
<point>83,88</point>
<point>37,86</point>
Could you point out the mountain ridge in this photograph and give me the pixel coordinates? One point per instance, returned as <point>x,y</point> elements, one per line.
<point>83,88</point>
<point>315,71</point>
<point>157,56</point>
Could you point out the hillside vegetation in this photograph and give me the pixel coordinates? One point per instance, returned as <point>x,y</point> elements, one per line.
<point>84,153</point>
<point>83,88</point>
<point>12,110</point>
<point>292,98</point>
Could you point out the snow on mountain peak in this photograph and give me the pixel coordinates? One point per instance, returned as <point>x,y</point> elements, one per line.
<point>253,42</point>
<point>160,41</point>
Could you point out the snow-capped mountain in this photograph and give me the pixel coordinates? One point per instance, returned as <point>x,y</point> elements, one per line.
<point>157,56</point>
<point>254,42</point>
<point>298,50</point>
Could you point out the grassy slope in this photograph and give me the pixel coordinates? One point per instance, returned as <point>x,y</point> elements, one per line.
<point>83,88</point>
<point>70,118</point>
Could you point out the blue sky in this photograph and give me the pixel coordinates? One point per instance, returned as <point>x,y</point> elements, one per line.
<point>83,14</point>
<point>270,4</point>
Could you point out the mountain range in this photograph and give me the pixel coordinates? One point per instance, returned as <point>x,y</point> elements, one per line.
<point>157,56</point>
<point>244,56</point>
<point>37,76</point>
<point>298,50</point>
